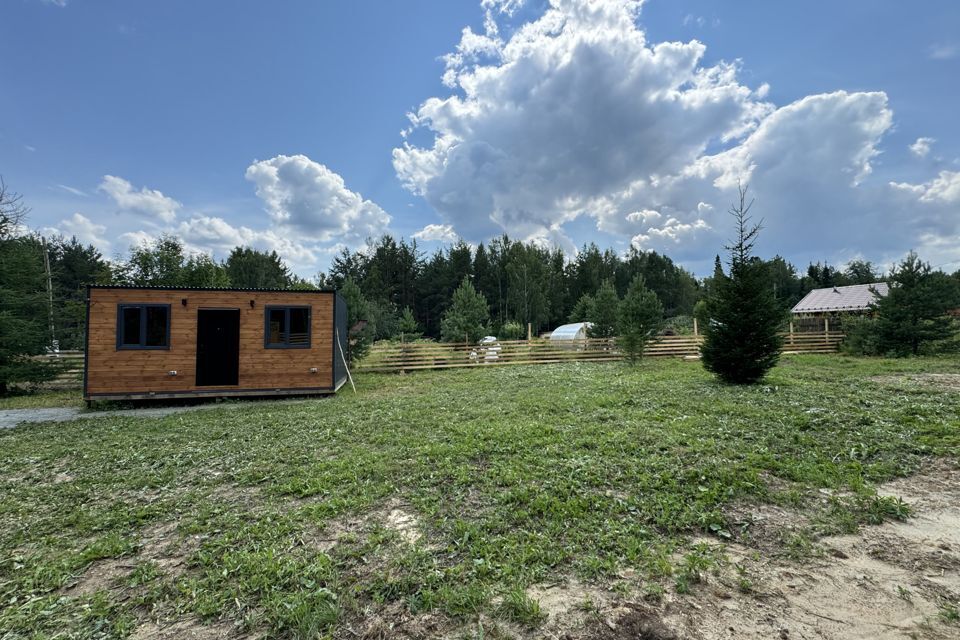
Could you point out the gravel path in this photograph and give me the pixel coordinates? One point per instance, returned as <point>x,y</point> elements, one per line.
<point>10,418</point>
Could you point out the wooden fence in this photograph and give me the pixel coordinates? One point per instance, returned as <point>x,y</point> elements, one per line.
<point>71,377</point>
<point>411,356</point>
<point>394,357</point>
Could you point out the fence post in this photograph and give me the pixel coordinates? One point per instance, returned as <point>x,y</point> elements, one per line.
<point>791,333</point>
<point>529,331</point>
<point>826,329</point>
<point>696,329</point>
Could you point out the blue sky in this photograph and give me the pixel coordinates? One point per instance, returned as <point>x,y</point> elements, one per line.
<point>287,125</point>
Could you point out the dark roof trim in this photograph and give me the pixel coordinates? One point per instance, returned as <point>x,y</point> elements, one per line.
<point>155,288</point>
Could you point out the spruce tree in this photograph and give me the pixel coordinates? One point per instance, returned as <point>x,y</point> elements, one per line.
<point>742,336</point>
<point>640,318</point>
<point>409,327</point>
<point>467,317</point>
<point>914,312</point>
<point>583,310</point>
<point>358,320</point>
<point>603,312</point>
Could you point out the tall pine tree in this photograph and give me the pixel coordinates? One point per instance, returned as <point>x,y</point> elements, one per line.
<point>742,336</point>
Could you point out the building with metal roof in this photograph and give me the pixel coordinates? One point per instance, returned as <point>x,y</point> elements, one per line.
<point>856,298</point>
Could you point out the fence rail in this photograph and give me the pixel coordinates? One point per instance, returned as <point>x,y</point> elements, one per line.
<point>71,375</point>
<point>394,357</point>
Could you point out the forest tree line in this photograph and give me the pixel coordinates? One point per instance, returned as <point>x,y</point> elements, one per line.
<point>521,282</point>
<point>527,283</point>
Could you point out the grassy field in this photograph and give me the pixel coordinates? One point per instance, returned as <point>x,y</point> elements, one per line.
<point>443,494</point>
<point>41,400</point>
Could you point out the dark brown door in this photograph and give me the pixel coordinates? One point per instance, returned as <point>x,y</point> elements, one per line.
<point>218,347</point>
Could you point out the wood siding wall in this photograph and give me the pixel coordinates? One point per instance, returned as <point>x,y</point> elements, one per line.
<point>117,372</point>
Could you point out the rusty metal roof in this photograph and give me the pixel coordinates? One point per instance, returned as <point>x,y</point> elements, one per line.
<point>857,297</point>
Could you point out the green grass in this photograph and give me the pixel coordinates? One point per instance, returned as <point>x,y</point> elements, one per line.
<point>516,475</point>
<point>41,400</point>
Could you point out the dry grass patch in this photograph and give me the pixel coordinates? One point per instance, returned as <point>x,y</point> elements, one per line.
<point>765,527</point>
<point>942,381</point>
<point>190,629</point>
<point>394,621</point>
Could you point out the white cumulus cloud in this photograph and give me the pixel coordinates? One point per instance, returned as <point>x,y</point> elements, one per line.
<point>574,106</point>
<point>146,202</point>
<point>577,114</point>
<point>311,215</point>
<point>921,147</point>
<point>214,235</point>
<point>437,232</point>
<point>944,189</point>
<point>308,199</point>
<point>83,229</point>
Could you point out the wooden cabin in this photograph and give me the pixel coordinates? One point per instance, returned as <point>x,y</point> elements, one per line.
<point>163,342</point>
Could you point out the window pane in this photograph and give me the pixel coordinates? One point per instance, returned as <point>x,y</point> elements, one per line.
<point>275,321</point>
<point>130,326</point>
<point>157,320</point>
<point>299,326</point>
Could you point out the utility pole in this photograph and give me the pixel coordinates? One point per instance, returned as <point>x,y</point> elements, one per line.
<point>46,267</point>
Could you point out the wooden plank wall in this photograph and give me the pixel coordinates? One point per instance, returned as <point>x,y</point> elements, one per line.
<point>110,370</point>
<point>393,357</point>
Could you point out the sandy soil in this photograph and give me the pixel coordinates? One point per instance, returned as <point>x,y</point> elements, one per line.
<point>886,582</point>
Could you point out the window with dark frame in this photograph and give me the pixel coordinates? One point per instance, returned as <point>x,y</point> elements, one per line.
<point>286,327</point>
<point>143,326</point>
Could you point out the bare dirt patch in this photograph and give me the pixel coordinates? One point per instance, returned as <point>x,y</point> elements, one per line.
<point>332,533</point>
<point>635,621</point>
<point>568,604</point>
<point>61,478</point>
<point>162,545</point>
<point>393,515</point>
<point>159,544</point>
<point>246,497</point>
<point>404,522</point>
<point>101,575</point>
